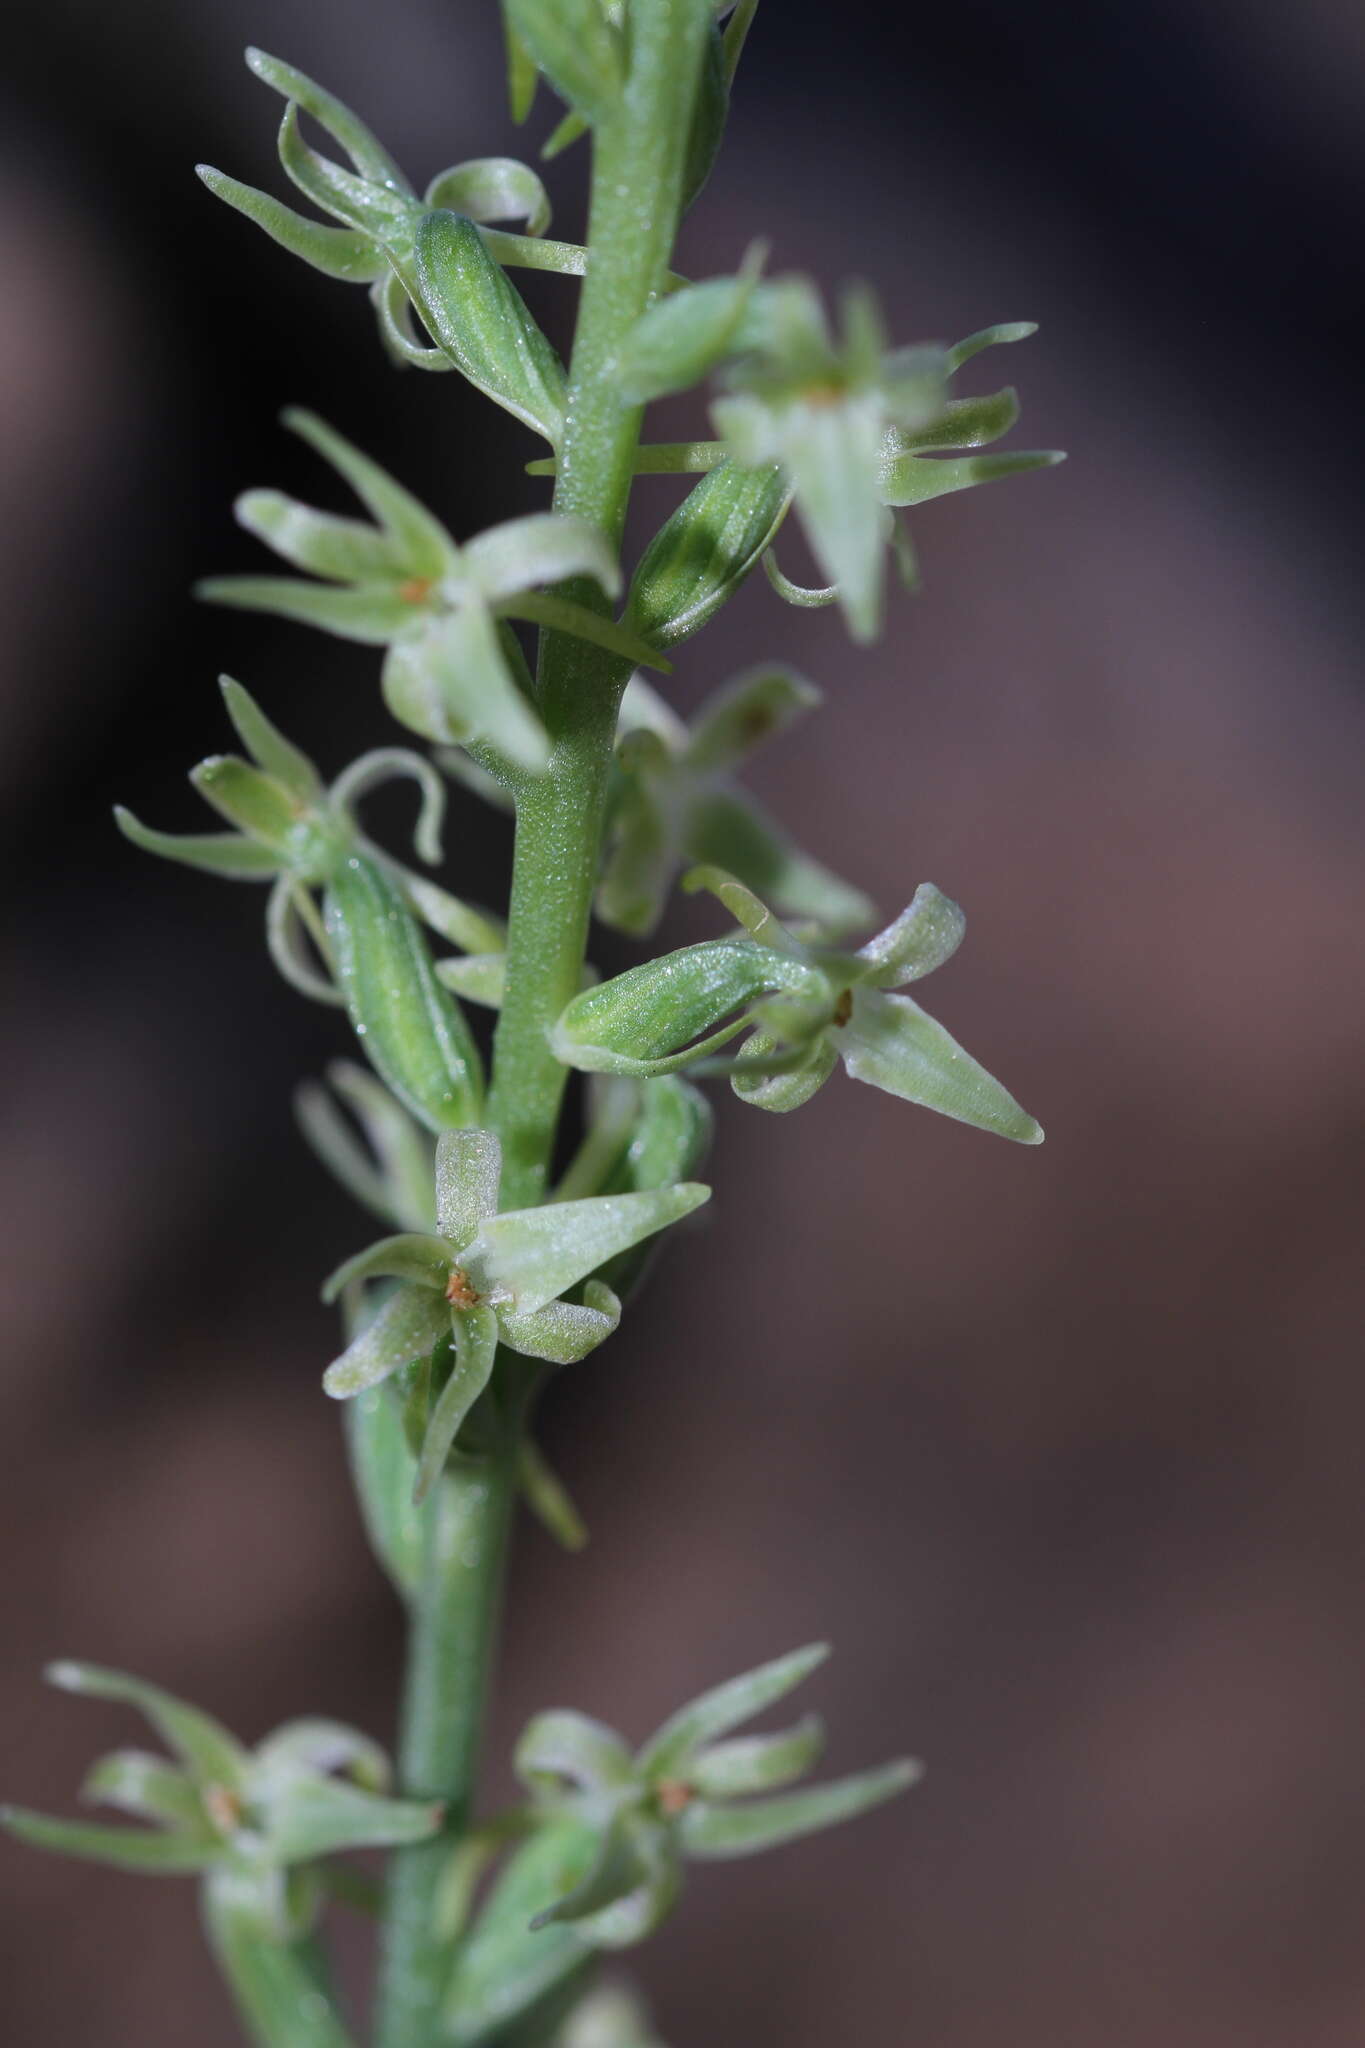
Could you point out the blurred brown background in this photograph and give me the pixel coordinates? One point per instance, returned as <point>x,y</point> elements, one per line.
<point>1061,1447</point>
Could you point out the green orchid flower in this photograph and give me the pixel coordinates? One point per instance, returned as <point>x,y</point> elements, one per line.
<point>806,1007</point>
<point>484,1278</point>
<point>675,803</point>
<point>258,1825</point>
<point>687,1795</point>
<point>453,671</point>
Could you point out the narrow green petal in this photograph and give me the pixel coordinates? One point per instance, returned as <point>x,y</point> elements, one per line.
<point>915,479</point>
<point>891,1043</point>
<point>345,253</point>
<point>989,337</point>
<point>405,1328</point>
<point>427,549</point>
<point>757,1763</point>
<point>253,802</point>
<point>615,1874</point>
<point>368,155</point>
<point>371,613</point>
<point>563,1332</point>
<point>156,1855</point>
<point>208,1751</point>
<point>342,550</point>
<point>358,202</point>
<point>490,188</point>
<point>295,943</point>
<point>670,1750</point>
<point>387,764</point>
<point>533,1255</point>
<point>633,1918</point>
<point>964,423</point>
<point>561,1745</point>
<point>150,1789</point>
<point>312,1743</point>
<point>268,746</point>
<point>215,853</point>
<point>766,1076</point>
<point>925,935</point>
<point>476,1347</point>
<point>715,1832</point>
<point>421,1260</point>
<point>468,1171</point>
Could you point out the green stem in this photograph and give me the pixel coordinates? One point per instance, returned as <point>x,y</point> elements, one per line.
<point>452,1631</point>
<point>638,161</point>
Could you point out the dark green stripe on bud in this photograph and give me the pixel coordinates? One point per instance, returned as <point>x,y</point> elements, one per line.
<point>699,557</point>
<point>484,325</point>
<point>412,1030</point>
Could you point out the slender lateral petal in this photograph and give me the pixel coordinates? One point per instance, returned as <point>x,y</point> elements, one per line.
<point>385,764</point>
<point>989,337</point>
<point>758,1763</point>
<point>149,1789</point>
<point>203,1744</point>
<point>406,1327</point>
<point>658,1881</point>
<point>341,550</point>
<point>490,188</point>
<point>925,935</point>
<point>314,1743</point>
<point>267,745</point>
<point>369,613</point>
<point>717,1832</point>
<point>154,1854</point>
<point>716,1712</point>
<point>294,942</point>
<point>614,1876</point>
<point>563,1331</point>
<point>427,547</point>
<point>533,1255</point>
<point>916,479</point>
<point>253,802</point>
<point>564,1745</point>
<point>891,1043</point>
<point>215,853</point>
<point>419,1260</point>
<point>476,1345</point>
<point>368,155</point>
<point>344,253</point>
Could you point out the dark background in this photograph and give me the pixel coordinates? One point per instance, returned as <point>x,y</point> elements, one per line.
<point>1062,1447</point>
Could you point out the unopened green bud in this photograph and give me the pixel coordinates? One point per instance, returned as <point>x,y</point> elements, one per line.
<point>482,322</point>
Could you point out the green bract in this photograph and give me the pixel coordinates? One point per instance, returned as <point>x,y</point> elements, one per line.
<point>806,1007</point>
<point>484,1278</point>
<point>687,1794</point>
<point>403,584</point>
<point>675,804</point>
